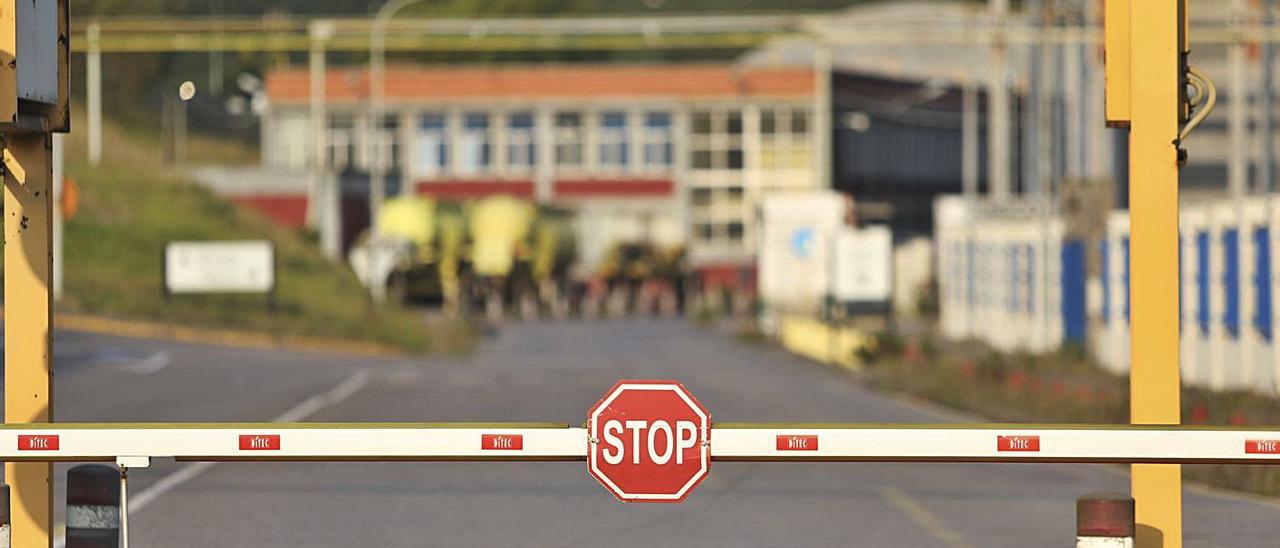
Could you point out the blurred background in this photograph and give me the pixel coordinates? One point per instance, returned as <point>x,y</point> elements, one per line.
<point>806,210</point>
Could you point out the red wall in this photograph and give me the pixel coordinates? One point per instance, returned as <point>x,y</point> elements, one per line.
<point>289,210</point>
<point>622,188</point>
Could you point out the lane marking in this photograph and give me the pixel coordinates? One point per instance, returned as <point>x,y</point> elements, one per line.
<point>152,364</point>
<point>302,410</point>
<point>923,517</point>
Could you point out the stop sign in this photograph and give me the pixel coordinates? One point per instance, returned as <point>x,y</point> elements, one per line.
<point>649,441</point>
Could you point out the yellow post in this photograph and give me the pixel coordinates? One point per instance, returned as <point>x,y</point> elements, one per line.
<point>28,316</point>
<point>1156,43</point>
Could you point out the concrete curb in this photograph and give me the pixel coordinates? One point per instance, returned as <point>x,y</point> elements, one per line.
<point>217,337</point>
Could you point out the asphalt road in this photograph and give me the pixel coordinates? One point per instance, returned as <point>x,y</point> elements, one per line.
<point>555,372</point>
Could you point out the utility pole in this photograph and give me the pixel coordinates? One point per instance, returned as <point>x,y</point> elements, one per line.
<point>1237,108</point>
<point>1034,146</point>
<point>377,97</point>
<point>998,163</point>
<point>969,140</point>
<point>324,193</point>
<point>822,112</point>
<point>1266,166</point>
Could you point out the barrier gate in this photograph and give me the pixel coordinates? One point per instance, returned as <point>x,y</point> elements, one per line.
<point>645,441</point>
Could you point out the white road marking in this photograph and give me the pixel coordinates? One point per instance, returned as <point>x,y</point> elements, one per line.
<point>923,517</point>
<point>152,364</point>
<point>298,412</point>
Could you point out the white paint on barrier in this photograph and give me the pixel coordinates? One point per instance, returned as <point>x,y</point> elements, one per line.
<point>1104,542</point>
<point>93,516</point>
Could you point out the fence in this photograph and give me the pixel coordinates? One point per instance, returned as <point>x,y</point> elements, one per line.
<point>1018,282</point>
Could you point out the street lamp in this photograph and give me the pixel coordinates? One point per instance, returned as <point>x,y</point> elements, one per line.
<point>377,70</point>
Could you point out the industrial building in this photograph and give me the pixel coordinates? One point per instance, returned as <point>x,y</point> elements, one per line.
<point>672,154</point>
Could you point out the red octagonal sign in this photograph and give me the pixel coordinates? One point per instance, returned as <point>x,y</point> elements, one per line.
<point>649,441</point>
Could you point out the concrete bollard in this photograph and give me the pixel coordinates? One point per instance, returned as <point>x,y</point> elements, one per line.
<point>6,537</point>
<point>1104,520</point>
<point>93,506</point>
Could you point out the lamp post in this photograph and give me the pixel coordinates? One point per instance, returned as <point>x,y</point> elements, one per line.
<point>377,70</point>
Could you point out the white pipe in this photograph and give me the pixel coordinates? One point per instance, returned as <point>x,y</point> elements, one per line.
<point>969,140</point>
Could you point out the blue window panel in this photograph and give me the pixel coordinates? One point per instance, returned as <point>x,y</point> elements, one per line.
<point>476,153</point>
<point>521,148</point>
<point>1202,281</point>
<point>657,146</point>
<point>1015,281</point>
<point>433,122</point>
<point>433,146</point>
<point>476,121</point>
<point>1074,323</point>
<point>1031,279</point>
<point>1124,275</point>
<point>613,139</point>
<point>1262,282</point>
<point>1103,248</point>
<point>1231,281</point>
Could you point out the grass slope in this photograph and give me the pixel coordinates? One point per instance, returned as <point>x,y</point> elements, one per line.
<point>131,207</point>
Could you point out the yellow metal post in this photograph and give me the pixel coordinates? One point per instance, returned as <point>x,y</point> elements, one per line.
<point>1156,33</point>
<point>28,265</point>
<point>1116,57</point>
<point>28,311</point>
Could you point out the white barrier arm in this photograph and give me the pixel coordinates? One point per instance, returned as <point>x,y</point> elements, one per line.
<point>296,441</point>
<point>994,443</point>
<point>729,442</point>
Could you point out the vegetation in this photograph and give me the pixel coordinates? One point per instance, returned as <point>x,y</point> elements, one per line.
<point>1064,387</point>
<point>136,87</point>
<point>131,207</point>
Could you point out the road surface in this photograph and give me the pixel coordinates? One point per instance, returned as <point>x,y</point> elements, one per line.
<point>555,372</point>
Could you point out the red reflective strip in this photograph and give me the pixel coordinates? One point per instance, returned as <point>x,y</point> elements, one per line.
<point>1264,447</point>
<point>37,443</point>
<point>1017,443</point>
<point>260,442</point>
<point>807,442</point>
<point>501,442</point>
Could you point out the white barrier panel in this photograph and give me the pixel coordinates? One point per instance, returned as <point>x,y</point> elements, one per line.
<point>748,442</point>
<point>999,275</point>
<point>219,267</point>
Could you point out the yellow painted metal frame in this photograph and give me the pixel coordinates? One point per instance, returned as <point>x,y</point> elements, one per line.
<point>1116,58</point>
<point>28,364</point>
<point>28,265</point>
<point>1156,41</point>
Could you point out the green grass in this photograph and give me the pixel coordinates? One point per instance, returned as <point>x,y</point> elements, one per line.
<point>1064,387</point>
<point>131,206</point>
<point>113,252</point>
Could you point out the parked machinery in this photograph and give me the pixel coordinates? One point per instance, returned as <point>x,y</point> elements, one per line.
<point>415,253</point>
<point>643,277</point>
<point>520,256</point>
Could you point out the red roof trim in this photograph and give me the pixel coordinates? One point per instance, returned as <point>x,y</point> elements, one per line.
<point>445,83</point>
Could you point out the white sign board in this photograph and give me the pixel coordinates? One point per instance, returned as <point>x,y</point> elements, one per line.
<point>863,265</point>
<point>794,258</point>
<point>219,267</point>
